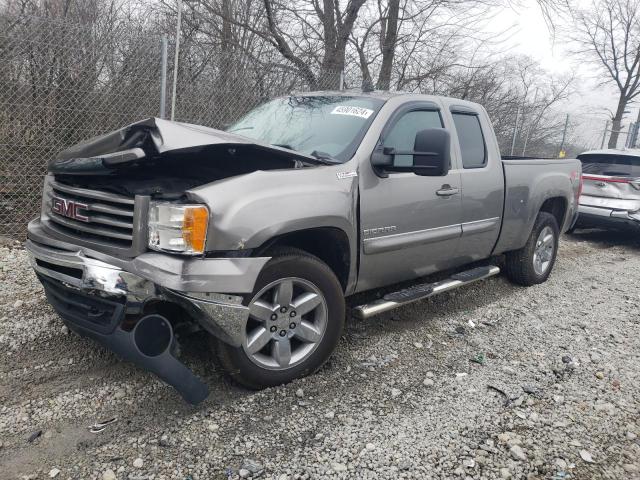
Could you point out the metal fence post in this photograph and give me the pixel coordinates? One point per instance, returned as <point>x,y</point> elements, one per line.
<point>176,57</point>
<point>634,137</point>
<point>163,78</point>
<point>341,80</point>
<point>633,143</point>
<point>526,138</point>
<point>604,134</point>
<point>515,132</point>
<point>631,134</point>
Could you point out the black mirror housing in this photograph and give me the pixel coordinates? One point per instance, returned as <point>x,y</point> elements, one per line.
<point>382,158</point>
<point>432,152</point>
<point>431,155</point>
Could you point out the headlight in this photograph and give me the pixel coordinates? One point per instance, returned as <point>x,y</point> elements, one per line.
<point>178,228</point>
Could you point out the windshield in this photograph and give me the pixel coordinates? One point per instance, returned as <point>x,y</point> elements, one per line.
<point>611,164</point>
<point>328,127</point>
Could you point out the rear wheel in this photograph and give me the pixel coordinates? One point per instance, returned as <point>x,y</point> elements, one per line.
<point>533,263</point>
<point>296,316</point>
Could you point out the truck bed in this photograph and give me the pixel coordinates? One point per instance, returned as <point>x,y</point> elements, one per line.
<point>529,182</point>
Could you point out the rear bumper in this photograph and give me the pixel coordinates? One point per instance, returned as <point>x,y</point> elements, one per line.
<point>599,217</point>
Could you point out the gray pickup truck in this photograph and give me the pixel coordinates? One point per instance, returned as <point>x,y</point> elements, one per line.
<point>255,235</point>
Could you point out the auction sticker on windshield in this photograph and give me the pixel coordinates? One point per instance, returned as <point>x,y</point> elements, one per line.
<point>353,111</point>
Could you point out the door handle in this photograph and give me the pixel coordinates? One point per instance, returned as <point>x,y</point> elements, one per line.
<point>447,191</point>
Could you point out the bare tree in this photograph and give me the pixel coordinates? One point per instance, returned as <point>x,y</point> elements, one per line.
<point>608,34</point>
<point>388,39</point>
<point>312,35</point>
<point>403,41</point>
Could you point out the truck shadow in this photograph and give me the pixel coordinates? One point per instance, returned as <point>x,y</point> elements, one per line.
<point>436,310</point>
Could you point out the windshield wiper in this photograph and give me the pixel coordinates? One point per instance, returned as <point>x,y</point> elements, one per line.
<point>284,145</point>
<point>241,128</point>
<point>324,156</point>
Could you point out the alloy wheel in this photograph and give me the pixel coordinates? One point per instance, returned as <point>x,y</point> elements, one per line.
<point>543,253</point>
<point>287,320</point>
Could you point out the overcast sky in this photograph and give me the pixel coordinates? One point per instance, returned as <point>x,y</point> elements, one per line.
<point>530,35</point>
<point>589,106</point>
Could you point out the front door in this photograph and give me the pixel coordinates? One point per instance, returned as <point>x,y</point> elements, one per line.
<point>411,224</point>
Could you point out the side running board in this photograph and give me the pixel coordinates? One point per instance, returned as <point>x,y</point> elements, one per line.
<point>422,291</point>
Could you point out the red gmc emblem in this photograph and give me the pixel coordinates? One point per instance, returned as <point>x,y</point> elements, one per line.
<point>69,208</point>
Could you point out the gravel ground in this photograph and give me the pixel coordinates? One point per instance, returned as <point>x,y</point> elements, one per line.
<point>493,381</point>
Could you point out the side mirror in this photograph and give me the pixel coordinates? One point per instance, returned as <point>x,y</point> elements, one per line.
<point>432,152</point>
<point>431,155</point>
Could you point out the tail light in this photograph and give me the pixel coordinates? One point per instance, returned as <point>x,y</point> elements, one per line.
<point>634,182</point>
<point>580,185</point>
<point>576,175</point>
<point>606,179</point>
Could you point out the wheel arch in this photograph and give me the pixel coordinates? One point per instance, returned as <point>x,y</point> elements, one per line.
<point>556,206</point>
<point>329,244</point>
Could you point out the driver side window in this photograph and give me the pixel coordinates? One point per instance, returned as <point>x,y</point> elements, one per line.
<point>403,134</point>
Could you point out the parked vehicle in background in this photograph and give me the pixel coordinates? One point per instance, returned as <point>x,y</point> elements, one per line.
<point>610,196</point>
<point>256,235</point>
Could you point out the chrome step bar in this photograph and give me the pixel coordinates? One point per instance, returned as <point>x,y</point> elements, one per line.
<point>422,291</point>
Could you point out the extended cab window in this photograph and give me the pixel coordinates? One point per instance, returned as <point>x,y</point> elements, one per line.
<point>403,134</point>
<point>474,152</point>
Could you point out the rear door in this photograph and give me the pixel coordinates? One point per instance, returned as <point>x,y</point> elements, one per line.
<point>482,181</point>
<point>611,181</point>
<point>410,223</point>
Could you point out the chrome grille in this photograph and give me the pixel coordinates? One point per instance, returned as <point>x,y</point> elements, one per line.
<point>106,221</point>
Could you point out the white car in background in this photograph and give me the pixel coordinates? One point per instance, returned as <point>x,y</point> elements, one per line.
<point>610,195</point>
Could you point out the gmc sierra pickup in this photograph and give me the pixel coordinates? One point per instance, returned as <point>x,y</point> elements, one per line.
<point>255,235</point>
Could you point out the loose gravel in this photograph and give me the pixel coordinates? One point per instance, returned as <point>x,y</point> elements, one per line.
<point>492,381</point>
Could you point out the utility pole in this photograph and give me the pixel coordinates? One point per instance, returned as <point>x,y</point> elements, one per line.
<point>176,56</point>
<point>515,132</point>
<point>526,138</point>
<point>564,137</point>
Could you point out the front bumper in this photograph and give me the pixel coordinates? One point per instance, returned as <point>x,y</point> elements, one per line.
<point>210,289</point>
<point>104,298</point>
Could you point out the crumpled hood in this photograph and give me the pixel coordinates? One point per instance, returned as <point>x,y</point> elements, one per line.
<point>153,138</point>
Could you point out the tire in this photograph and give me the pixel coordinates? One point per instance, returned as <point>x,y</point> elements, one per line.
<point>521,266</point>
<point>267,367</point>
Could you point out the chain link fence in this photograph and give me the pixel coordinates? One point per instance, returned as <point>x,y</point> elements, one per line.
<point>590,132</point>
<point>627,135</point>
<point>61,83</point>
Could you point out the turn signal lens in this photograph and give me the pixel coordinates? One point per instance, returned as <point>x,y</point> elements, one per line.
<point>178,228</point>
<point>194,227</point>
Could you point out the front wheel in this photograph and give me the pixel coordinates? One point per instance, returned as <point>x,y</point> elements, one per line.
<point>296,316</point>
<point>533,263</point>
